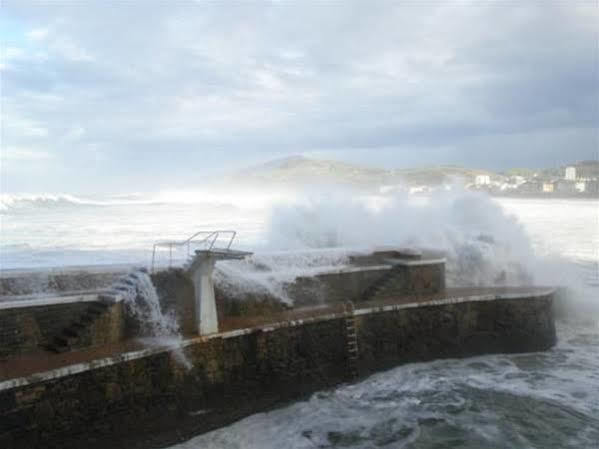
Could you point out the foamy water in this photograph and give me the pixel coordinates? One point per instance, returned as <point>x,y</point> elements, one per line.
<point>544,400</point>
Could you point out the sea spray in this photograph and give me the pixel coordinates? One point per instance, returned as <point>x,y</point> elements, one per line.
<point>483,245</point>
<point>143,305</point>
<point>268,273</point>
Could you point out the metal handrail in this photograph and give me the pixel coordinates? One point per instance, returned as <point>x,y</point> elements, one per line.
<point>211,238</point>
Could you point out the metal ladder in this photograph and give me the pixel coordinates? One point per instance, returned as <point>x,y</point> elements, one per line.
<point>351,338</point>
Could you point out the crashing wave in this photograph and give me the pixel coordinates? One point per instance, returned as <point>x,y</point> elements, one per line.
<point>49,200</point>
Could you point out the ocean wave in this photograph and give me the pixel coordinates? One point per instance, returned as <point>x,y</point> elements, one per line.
<point>23,201</point>
<point>240,199</point>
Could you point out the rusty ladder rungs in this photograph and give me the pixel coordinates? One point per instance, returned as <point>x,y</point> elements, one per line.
<point>351,340</point>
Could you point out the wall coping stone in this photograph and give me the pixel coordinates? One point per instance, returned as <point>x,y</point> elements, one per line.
<point>46,300</point>
<point>416,262</point>
<point>134,355</point>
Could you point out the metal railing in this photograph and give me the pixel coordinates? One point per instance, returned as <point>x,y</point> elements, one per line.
<point>209,240</point>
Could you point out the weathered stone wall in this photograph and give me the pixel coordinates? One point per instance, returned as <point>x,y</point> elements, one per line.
<point>28,329</point>
<point>107,328</point>
<point>337,287</point>
<point>454,330</point>
<point>46,282</point>
<point>24,330</point>
<point>176,292</point>
<point>410,280</point>
<point>230,378</point>
<point>368,284</point>
<point>153,401</point>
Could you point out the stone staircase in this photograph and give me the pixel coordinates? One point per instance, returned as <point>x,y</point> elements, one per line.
<point>387,285</point>
<point>71,336</point>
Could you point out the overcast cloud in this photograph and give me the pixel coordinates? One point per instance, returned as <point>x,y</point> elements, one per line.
<point>131,96</point>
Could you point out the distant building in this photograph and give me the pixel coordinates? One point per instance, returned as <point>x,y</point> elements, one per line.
<point>570,173</point>
<point>592,187</point>
<point>587,170</point>
<point>482,180</point>
<point>565,186</point>
<point>531,187</point>
<point>518,180</point>
<point>548,187</point>
<point>581,186</point>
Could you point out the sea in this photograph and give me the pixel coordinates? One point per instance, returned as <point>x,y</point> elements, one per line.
<point>534,400</point>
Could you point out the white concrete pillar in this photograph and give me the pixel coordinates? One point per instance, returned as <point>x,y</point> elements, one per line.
<point>205,304</point>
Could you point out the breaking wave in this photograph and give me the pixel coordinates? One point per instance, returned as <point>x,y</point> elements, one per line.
<point>483,245</point>
<point>243,199</point>
<point>47,200</point>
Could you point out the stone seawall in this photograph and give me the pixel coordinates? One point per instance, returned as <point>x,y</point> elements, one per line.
<point>51,281</point>
<point>28,329</point>
<point>334,287</point>
<point>25,329</point>
<point>148,399</point>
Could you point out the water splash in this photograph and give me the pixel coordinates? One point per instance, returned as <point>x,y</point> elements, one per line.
<point>143,304</point>
<point>269,273</point>
<point>483,245</point>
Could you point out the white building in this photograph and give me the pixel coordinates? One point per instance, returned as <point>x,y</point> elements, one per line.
<point>482,180</point>
<point>518,180</point>
<point>570,173</point>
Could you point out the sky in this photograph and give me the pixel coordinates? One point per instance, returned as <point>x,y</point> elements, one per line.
<point>122,96</point>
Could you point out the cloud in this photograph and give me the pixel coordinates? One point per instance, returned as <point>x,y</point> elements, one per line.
<point>23,154</point>
<point>38,34</point>
<point>210,85</point>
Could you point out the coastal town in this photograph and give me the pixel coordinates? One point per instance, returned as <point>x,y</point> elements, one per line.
<point>576,180</point>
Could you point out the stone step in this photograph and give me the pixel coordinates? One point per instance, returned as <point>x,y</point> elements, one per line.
<point>70,335</point>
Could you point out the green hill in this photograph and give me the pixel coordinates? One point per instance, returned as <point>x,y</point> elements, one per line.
<point>299,170</point>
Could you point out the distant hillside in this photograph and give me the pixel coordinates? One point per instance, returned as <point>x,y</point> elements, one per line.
<point>300,170</point>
